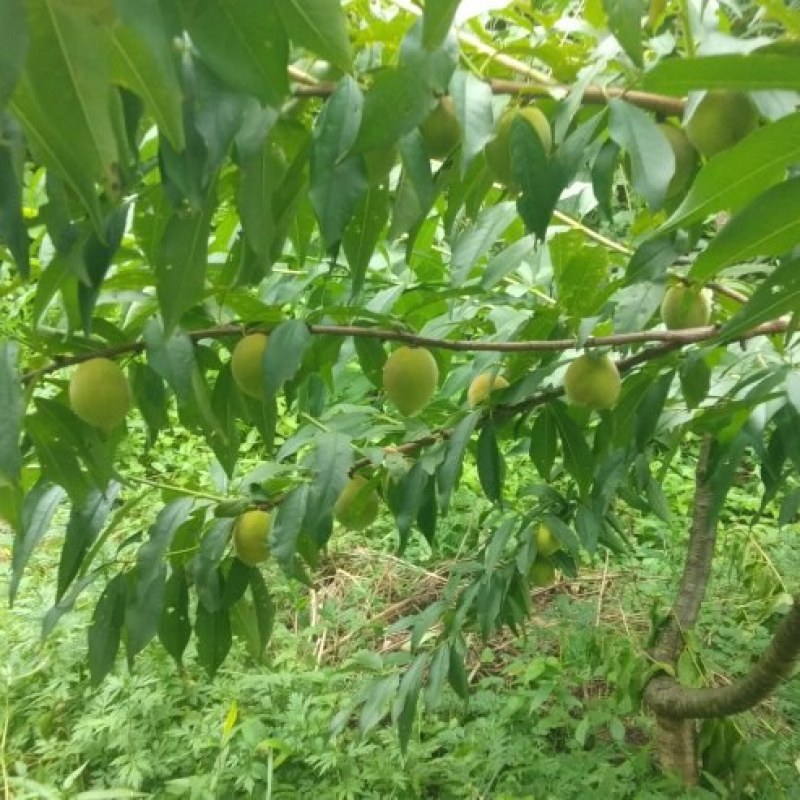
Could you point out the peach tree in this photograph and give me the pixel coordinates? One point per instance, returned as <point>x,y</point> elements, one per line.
<point>381,239</point>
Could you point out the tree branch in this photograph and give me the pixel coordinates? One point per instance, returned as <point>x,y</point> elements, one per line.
<point>669,699</point>
<point>671,340</point>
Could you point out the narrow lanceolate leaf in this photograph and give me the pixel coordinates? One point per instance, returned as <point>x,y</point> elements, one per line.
<point>652,159</point>
<point>755,72</point>
<point>491,466</point>
<point>288,526</point>
<point>472,99</point>
<point>578,458</point>
<point>532,173</point>
<point>363,232</point>
<point>769,226</point>
<point>170,357</point>
<point>544,444</point>
<point>38,508</point>
<point>174,628</point>
<point>395,104</point>
<point>13,45</point>
<point>181,263</point>
<point>213,632</point>
<point>332,459</point>
<point>779,294</point>
<point>145,605</point>
<point>85,523</point>
<point>13,231</point>
<point>142,60</point>
<point>625,22</point>
<point>264,607</point>
<point>733,177</point>
<point>67,83</point>
<point>337,181</point>
<point>475,242</point>
<point>244,43</point>
<point>106,628</point>
<point>450,470</point>
<point>320,26</point>
<point>405,705</point>
<point>284,353</point>
<point>436,22</point>
<point>13,408</point>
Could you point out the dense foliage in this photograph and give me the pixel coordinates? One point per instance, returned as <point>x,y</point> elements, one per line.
<point>307,227</point>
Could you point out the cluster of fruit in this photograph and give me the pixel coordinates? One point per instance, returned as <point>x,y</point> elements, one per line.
<point>720,120</point>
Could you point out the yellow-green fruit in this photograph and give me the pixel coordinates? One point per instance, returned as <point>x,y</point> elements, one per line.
<point>99,393</point>
<point>686,307</point>
<point>440,129</point>
<point>250,534</point>
<point>378,164</point>
<point>720,120</point>
<point>410,376</point>
<point>685,159</point>
<point>546,543</point>
<point>498,150</point>
<point>542,572</point>
<point>356,507</point>
<point>593,382</point>
<point>247,364</point>
<point>482,386</point>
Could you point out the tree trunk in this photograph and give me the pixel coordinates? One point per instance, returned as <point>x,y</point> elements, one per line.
<point>676,707</point>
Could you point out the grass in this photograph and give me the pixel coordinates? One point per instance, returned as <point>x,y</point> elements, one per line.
<point>554,713</point>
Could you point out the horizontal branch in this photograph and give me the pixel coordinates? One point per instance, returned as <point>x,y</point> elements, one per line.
<point>592,95</point>
<point>669,699</point>
<point>670,340</point>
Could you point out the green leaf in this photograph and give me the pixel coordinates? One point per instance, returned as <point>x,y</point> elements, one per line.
<point>146,601</point>
<point>652,159</point>
<point>205,569</point>
<point>409,498</point>
<point>437,675</point>
<point>476,241</point>
<point>754,72</point>
<point>181,262</point>
<point>437,19</point>
<point>371,358</point>
<point>733,177</point>
<point>13,406</point>
<point>625,22</point>
<point>337,181</point>
<point>38,508</point>
<point>13,45</point>
<point>150,398</point>
<point>288,526</point>
<point>776,295</point>
<point>142,60</point>
<point>769,226</point>
<point>213,632</point>
<point>106,628</point>
<point>531,172</point>
<point>264,608</point>
<point>472,100</point>
<point>174,627</point>
<point>284,353</point>
<point>85,523</point>
<point>405,704</point>
<point>98,254</point>
<point>603,169</point>
<point>376,706</point>
<point>57,458</point>
<point>395,104</point>
<point>544,444</point>
<point>578,459</point>
<point>363,233</point>
<point>320,26</point>
<point>695,378</point>
<point>491,465</point>
<point>170,357</point>
<point>64,100</point>
<point>12,224</point>
<point>333,456</point>
<point>449,472</point>
<point>244,43</point>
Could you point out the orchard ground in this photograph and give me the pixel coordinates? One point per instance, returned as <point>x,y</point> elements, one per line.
<point>551,714</point>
